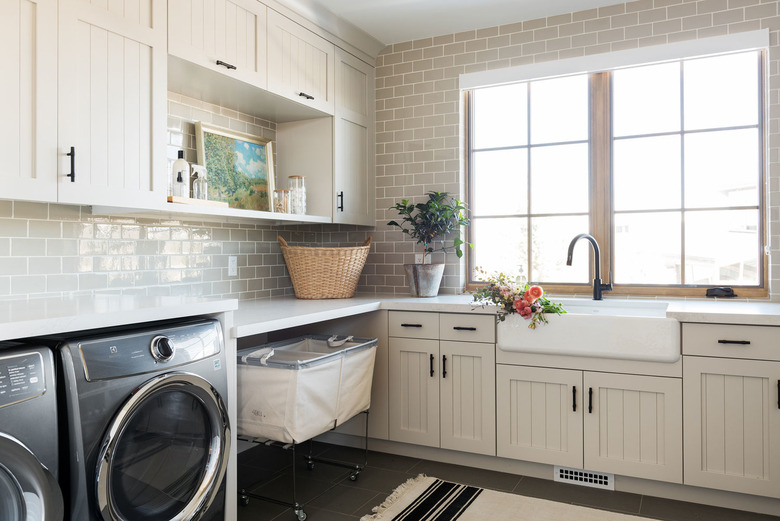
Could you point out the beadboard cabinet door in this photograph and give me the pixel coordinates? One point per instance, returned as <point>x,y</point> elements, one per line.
<point>414,391</point>
<point>28,133</point>
<point>467,387</point>
<point>112,102</point>
<point>354,142</point>
<point>539,414</point>
<point>231,32</point>
<point>300,64</point>
<point>634,427</point>
<point>732,424</point>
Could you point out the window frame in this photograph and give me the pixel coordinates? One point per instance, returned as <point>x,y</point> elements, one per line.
<point>601,214</point>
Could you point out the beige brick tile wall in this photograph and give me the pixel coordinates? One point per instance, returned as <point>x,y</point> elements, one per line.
<point>418,145</point>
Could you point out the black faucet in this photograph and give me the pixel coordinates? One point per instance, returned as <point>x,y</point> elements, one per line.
<point>598,287</point>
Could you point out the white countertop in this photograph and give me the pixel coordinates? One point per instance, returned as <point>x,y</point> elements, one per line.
<point>261,316</point>
<point>35,317</point>
<point>48,316</point>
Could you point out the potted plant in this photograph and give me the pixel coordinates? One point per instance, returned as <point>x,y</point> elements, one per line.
<point>429,222</point>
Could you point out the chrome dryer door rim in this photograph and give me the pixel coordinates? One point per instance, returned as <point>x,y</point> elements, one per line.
<point>218,445</point>
<point>33,482</point>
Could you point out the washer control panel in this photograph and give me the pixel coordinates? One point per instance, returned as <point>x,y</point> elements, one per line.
<point>148,350</point>
<point>21,377</point>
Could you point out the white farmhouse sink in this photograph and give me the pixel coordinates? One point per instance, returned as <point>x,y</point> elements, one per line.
<point>622,329</point>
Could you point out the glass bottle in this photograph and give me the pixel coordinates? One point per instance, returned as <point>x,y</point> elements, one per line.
<point>180,172</point>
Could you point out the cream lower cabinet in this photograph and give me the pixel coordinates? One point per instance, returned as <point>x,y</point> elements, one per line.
<point>732,424</point>
<point>623,424</point>
<point>442,392</point>
<point>112,103</point>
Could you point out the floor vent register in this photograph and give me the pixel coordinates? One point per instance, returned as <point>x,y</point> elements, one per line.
<point>585,478</point>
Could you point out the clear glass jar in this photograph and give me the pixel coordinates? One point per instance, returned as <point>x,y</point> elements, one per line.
<point>199,184</point>
<point>282,201</point>
<point>297,185</point>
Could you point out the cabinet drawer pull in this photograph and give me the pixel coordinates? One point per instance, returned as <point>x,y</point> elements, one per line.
<point>462,328</point>
<point>72,173</point>
<point>737,342</point>
<point>431,366</point>
<point>574,398</point>
<point>307,96</point>
<point>411,325</point>
<point>340,202</point>
<point>444,366</point>
<point>226,65</point>
<point>590,400</point>
<point>778,394</point>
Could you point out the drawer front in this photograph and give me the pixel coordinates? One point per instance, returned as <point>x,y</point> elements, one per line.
<point>414,324</point>
<point>467,327</point>
<point>731,341</point>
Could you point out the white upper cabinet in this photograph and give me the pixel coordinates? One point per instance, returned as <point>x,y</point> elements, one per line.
<point>354,141</point>
<point>222,35</point>
<point>300,64</point>
<point>112,102</point>
<point>28,135</point>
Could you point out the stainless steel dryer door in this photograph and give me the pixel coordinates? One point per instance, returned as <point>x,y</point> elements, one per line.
<point>28,492</point>
<point>165,452</point>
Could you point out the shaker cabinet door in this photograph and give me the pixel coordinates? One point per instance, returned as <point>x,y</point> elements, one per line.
<point>732,424</point>
<point>112,103</point>
<point>414,391</point>
<point>227,36</point>
<point>28,134</point>
<point>354,139</point>
<point>300,64</point>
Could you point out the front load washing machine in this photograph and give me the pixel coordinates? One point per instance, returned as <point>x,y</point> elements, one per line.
<point>28,436</point>
<point>148,423</point>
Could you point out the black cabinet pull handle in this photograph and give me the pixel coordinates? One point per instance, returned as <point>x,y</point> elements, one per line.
<point>431,366</point>
<point>72,173</point>
<point>461,328</point>
<point>412,325</point>
<point>340,202</point>
<point>778,394</point>
<point>444,366</point>
<point>574,398</point>
<point>226,65</point>
<point>590,400</point>
<point>737,342</point>
<point>307,96</point>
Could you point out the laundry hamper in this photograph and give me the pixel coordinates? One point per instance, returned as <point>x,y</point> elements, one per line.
<point>324,272</point>
<point>294,390</point>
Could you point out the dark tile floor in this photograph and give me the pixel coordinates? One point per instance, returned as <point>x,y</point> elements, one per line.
<point>329,495</point>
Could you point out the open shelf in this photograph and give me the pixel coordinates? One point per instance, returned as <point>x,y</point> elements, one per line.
<point>211,214</point>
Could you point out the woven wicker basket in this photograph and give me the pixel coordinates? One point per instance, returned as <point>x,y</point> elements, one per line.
<point>319,273</point>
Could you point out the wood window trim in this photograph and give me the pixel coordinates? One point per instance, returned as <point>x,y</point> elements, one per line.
<point>600,185</point>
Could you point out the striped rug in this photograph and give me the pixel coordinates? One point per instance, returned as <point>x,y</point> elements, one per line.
<point>430,499</point>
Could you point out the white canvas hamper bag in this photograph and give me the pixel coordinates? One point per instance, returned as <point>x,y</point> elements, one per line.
<point>294,390</point>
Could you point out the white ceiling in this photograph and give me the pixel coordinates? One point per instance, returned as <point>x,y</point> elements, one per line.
<point>393,21</point>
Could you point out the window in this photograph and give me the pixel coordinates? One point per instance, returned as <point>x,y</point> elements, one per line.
<point>662,163</point>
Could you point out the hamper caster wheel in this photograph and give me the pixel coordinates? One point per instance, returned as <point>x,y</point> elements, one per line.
<point>301,515</point>
<point>243,499</point>
<point>310,465</point>
<point>354,476</point>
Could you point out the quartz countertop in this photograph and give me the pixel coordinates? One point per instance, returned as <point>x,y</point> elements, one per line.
<point>47,316</point>
<point>261,316</point>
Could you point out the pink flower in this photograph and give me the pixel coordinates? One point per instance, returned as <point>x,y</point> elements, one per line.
<point>528,297</point>
<point>536,291</point>
<point>526,312</point>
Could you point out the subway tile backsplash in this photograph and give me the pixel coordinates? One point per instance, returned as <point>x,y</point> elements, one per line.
<point>54,250</point>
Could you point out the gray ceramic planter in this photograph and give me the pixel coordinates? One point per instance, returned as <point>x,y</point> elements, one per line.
<point>424,279</point>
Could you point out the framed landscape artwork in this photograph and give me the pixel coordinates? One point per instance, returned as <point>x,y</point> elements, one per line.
<point>240,167</point>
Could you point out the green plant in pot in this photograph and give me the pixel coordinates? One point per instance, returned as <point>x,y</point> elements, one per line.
<point>428,223</point>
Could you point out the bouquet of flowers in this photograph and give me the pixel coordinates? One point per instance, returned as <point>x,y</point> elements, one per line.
<point>513,297</point>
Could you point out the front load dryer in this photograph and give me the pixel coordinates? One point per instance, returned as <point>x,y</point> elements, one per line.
<point>148,422</point>
<point>28,436</point>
